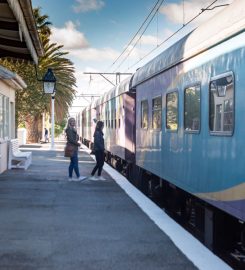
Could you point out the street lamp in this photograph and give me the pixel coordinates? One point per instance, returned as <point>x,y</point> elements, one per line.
<point>49,82</point>
<point>52,121</point>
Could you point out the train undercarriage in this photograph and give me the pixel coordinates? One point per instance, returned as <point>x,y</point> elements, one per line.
<point>218,231</point>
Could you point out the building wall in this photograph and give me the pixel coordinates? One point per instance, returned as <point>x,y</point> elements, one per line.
<point>7,121</point>
<point>7,111</point>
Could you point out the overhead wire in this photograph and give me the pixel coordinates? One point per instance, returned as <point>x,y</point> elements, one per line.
<point>89,87</point>
<point>159,3</point>
<point>130,42</point>
<point>177,31</point>
<point>153,11</point>
<point>183,2</point>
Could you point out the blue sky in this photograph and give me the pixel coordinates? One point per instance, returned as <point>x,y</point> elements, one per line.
<point>95,32</point>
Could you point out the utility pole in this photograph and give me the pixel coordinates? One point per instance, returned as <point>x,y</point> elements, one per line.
<point>118,75</point>
<point>85,96</point>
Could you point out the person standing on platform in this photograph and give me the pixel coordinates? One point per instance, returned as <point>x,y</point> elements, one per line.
<point>98,149</point>
<point>72,138</point>
<point>46,135</point>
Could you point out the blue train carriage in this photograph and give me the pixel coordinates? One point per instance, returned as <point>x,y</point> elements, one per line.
<point>190,131</point>
<point>88,124</point>
<point>79,123</point>
<point>117,108</point>
<point>83,128</point>
<point>85,117</point>
<point>90,115</point>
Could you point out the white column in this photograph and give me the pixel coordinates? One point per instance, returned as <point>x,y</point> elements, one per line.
<point>52,123</point>
<point>43,126</point>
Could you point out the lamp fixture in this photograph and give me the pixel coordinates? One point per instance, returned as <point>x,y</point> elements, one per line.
<point>48,80</point>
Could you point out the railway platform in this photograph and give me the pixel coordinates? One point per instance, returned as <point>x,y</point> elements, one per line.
<point>48,222</point>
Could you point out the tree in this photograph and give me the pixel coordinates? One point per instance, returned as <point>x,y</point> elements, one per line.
<point>32,102</point>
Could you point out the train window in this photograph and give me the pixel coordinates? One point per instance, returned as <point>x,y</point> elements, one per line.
<point>192,108</point>
<point>221,109</point>
<point>172,111</point>
<point>115,118</point>
<point>112,118</point>
<point>89,117</point>
<point>157,113</point>
<point>109,122</point>
<point>144,114</point>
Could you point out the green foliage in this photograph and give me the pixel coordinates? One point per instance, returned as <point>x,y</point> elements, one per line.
<point>32,102</point>
<point>29,101</point>
<point>58,129</point>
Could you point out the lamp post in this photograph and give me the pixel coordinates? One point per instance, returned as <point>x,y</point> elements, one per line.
<point>52,121</point>
<point>49,82</point>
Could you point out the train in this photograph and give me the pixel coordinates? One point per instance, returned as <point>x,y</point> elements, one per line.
<point>176,128</point>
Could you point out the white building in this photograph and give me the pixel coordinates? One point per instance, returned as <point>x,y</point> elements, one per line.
<point>19,40</point>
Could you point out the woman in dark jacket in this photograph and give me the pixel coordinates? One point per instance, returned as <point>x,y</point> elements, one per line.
<point>72,138</point>
<point>99,148</point>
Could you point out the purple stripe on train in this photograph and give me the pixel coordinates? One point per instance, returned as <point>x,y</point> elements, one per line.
<point>235,208</point>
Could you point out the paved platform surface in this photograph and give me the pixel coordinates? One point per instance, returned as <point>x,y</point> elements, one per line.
<point>49,223</point>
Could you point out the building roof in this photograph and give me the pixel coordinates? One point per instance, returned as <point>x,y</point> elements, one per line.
<point>12,79</point>
<point>18,31</point>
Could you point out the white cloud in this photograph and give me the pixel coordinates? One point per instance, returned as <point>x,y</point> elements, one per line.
<point>149,40</point>
<point>78,47</point>
<point>93,54</point>
<point>88,5</point>
<point>174,12</point>
<point>69,36</point>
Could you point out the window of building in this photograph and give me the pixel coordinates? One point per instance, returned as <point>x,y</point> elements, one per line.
<point>144,114</point>
<point>4,116</point>
<point>172,111</point>
<point>6,113</point>
<point>192,108</point>
<point>221,108</point>
<point>157,113</point>
<point>1,117</point>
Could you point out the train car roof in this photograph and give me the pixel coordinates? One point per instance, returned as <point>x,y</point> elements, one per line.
<point>97,101</point>
<point>123,87</point>
<point>89,107</point>
<point>226,23</point>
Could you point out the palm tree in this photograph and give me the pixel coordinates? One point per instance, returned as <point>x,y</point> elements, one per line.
<point>65,79</point>
<point>62,67</point>
<point>43,25</point>
<point>31,102</point>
